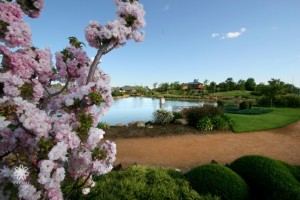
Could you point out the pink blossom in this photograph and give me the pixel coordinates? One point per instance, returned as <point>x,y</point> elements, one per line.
<point>28,192</point>
<point>44,177</point>
<point>46,166</point>
<point>58,152</point>
<point>3,123</point>
<point>85,191</point>
<point>18,33</point>
<point>59,174</point>
<point>54,194</point>
<point>95,135</point>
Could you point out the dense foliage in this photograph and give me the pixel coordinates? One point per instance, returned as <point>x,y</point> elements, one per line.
<point>207,118</point>
<point>267,178</point>
<point>139,182</point>
<point>194,114</point>
<point>290,101</point>
<point>218,180</point>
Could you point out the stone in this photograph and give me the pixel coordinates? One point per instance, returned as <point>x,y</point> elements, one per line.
<point>141,124</point>
<point>181,121</point>
<point>149,126</point>
<point>120,125</point>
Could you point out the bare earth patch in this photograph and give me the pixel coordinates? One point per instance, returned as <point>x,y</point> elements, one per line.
<point>186,150</point>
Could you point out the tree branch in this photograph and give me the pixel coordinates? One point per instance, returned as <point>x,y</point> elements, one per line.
<point>94,65</point>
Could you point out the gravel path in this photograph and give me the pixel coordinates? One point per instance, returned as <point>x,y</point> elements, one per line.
<point>187,151</point>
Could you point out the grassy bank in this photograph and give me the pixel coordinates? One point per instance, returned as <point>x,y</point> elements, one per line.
<point>279,117</point>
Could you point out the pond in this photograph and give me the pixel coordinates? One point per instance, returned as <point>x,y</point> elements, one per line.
<point>132,109</point>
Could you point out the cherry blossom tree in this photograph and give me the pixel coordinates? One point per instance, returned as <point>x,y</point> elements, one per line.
<point>48,136</point>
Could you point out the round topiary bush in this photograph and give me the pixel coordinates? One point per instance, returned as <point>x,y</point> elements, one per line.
<point>267,178</point>
<point>218,180</point>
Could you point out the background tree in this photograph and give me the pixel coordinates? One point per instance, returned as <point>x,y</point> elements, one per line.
<point>205,82</point>
<point>230,84</point>
<point>154,85</point>
<point>250,84</point>
<point>240,85</point>
<point>163,87</point>
<point>175,85</point>
<point>212,87</point>
<point>275,88</point>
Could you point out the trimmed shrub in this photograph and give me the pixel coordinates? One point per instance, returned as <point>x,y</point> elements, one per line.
<point>245,105</point>
<point>162,116</point>
<point>194,114</point>
<point>267,178</point>
<point>205,124</point>
<point>218,180</point>
<point>220,103</point>
<point>139,182</point>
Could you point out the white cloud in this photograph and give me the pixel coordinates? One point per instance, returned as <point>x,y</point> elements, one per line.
<point>215,35</point>
<point>243,30</point>
<point>229,35</point>
<point>233,34</point>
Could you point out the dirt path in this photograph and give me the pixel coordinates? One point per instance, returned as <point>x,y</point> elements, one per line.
<point>186,151</point>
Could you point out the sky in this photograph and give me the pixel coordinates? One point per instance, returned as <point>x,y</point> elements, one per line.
<point>185,40</point>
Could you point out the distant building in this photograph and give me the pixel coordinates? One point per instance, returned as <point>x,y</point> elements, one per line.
<point>193,85</point>
<point>127,89</point>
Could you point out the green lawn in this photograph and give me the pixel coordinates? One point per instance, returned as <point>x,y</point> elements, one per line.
<point>279,117</point>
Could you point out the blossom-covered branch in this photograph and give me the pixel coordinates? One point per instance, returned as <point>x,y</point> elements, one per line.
<point>48,135</point>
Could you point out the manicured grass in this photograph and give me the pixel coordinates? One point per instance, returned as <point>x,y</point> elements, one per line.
<point>279,117</point>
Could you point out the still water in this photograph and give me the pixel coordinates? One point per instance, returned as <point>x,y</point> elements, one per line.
<point>131,109</point>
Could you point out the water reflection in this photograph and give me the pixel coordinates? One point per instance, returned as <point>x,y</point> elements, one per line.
<point>133,109</point>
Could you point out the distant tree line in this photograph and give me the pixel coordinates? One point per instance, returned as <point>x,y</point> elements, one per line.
<point>274,93</point>
<point>274,86</point>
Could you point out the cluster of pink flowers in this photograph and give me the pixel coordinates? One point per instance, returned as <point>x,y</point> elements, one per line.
<point>69,62</point>
<point>48,134</point>
<point>16,32</point>
<point>131,18</point>
<point>34,9</point>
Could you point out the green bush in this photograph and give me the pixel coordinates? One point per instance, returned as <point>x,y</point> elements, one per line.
<point>205,124</point>
<point>194,114</point>
<point>103,125</point>
<point>139,182</point>
<point>221,122</point>
<point>290,101</point>
<point>267,178</point>
<point>245,105</point>
<point>220,103</point>
<point>162,116</point>
<point>177,115</point>
<point>218,180</point>
<point>117,93</point>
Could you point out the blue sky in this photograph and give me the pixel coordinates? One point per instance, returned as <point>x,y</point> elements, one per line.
<point>187,40</point>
